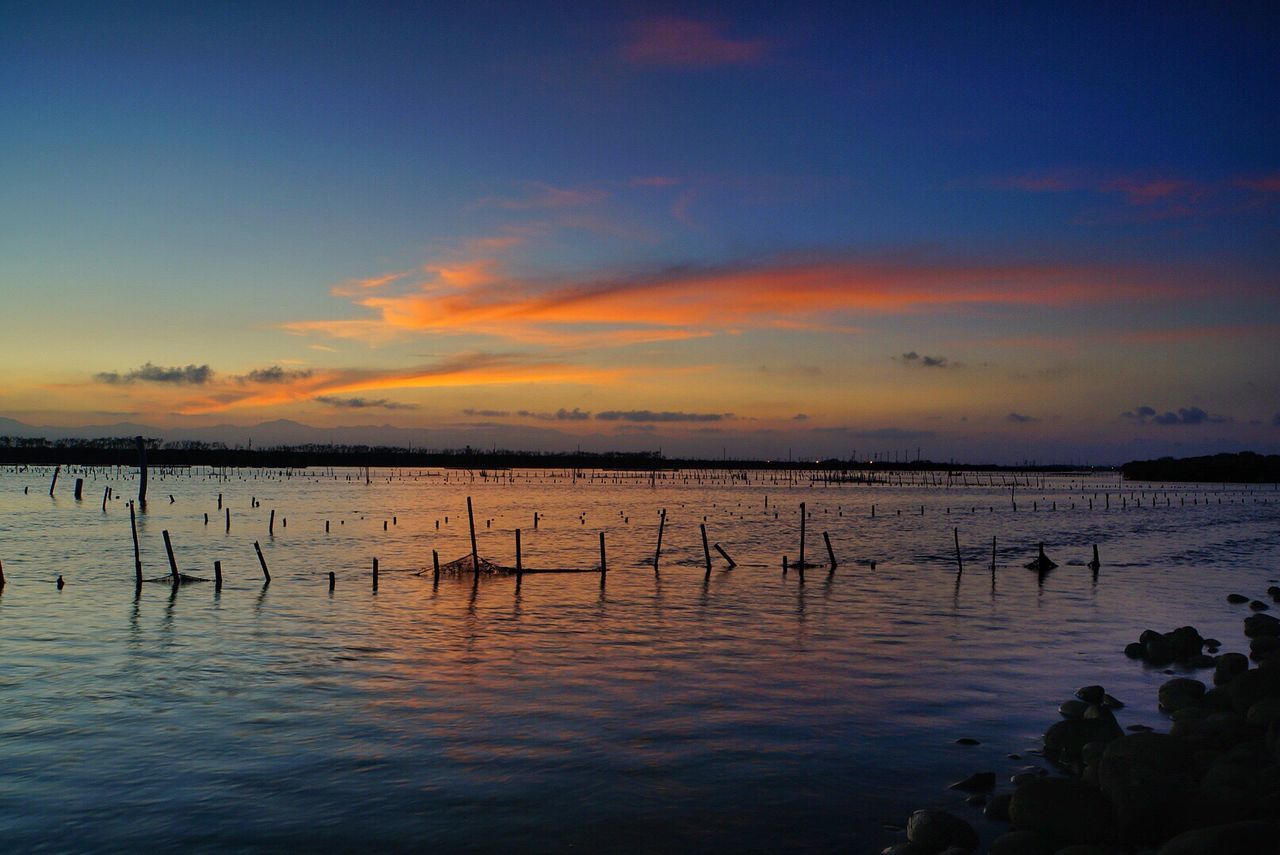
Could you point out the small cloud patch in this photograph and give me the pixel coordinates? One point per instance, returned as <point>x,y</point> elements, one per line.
<point>665,416</point>
<point>912,359</point>
<point>1184,416</point>
<point>194,375</point>
<point>363,403</point>
<point>1020,419</point>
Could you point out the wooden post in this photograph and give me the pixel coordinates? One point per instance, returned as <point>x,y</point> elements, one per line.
<point>706,551</point>
<point>375,575</point>
<point>784,565</point>
<point>217,575</point>
<point>54,482</point>
<point>142,472</point>
<point>519,562</point>
<point>435,562</point>
<point>105,494</point>
<point>959,563</point>
<point>993,559</point>
<point>830,552</point>
<point>603,567</point>
<point>333,581</point>
<point>168,548</point>
<point>662,522</point>
<point>228,520</point>
<point>219,501</point>
<point>79,489</point>
<point>266,574</point>
<point>137,556</point>
<point>726,557</point>
<point>803,515</point>
<point>271,524</point>
<point>1095,563</point>
<point>1,575</point>
<point>475,555</point>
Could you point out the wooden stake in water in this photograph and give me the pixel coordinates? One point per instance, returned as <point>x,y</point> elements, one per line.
<point>266,574</point>
<point>662,522</point>
<point>54,482</point>
<point>333,580</point>
<point>475,554</point>
<point>79,489</point>
<point>168,548</point>
<point>375,575</point>
<point>519,561</point>
<point>830,552</point>
<point>993,560</point>
<point>217,575</point>
<point>725,556</point>
<point>105,494</point>
<point>435,563</point>
<point>1,575</point>
<point>603,567</point>
<point>137,555</point>
<point>959,564</point>
<point>142,472</point>
<point>271,524</point>
<point>803,515</point>
<point>706,552</point>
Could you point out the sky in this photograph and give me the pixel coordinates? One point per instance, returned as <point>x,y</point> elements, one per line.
<point>966,231</point>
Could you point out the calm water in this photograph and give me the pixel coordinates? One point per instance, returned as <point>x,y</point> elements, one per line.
<point>751,711</point>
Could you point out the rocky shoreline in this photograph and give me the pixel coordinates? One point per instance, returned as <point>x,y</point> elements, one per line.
<point>1209,786</point>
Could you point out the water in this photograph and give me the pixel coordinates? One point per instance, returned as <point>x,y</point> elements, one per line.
<point>748,711</point>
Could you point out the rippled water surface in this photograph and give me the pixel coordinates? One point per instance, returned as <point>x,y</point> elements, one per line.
<point>749,710</point>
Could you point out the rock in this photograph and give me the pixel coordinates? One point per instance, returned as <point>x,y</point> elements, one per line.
<point>1092,752</point>
<point>1200,660</point>
<point>1212,642</point>
<point>1261,648</point>
<point>935,830</point>
<point>1259,625</point>
<point>1252,686</point>
<point>1022,843</point>
<point>1264,712</point>
<point>905,849</point>
<point>1186,642</point>
<point>1091,694</point>
<point>978,782</point>
<point>1086,849</point>
<point>1180,692</point>
<point>997,809</point>
<point>1159,652</point>
<point>1064,740</point>
<point>1072,709</point>
<point>1259,606</point>
<point>968,740</point>
<point>1217,698</point>
<point>1236,838</point>
<point>1135,650</point>
<point>1064,809</point>
<point>1095,711</point>
<point>1228,666</point>
<point>1111,703</point>
<point>976,800</point>
<point>1237,599</point>
<point>1149,780</point>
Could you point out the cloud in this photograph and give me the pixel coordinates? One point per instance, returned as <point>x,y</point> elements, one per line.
<point>195,375</point>
<point>539,195</point>
<point>800,417</point>
<point>914,359</point>
<point>363,403</point>
<point>560,415</point>
<point>686,43</point>
<point>274,374</point>
<point>486,414</point>
<point>1020,419</point>
<point>1184,416</point>
<point>809,294</point>
<point>651,416</point>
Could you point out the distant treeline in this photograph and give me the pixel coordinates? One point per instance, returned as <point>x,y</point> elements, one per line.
<point>122,451</point>
<point>1245,467</point>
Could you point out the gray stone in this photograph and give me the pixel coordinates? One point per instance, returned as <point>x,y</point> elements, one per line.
<point>1252,686</point>
<point>1237,599</point>
<point>1236,838</point>
<point>936,830</point>
<point>1091,694</point>
<point>978,782</point>
<point>1228,666</point>
<point>1259,625</point>
<point>1264,712</point>
<point>1072,709</point>
<point>1064,740</point>
<point>1064,809</point>
<point>1022,843</point>
<point>1261,648</point>
<point>1180,692</point>
<point>1135,650</point>
<point>1259,606</point>
<point>997,810</point>
<point>1149,778</point>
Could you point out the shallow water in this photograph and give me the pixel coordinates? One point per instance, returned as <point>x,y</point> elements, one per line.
<point>749,710</point>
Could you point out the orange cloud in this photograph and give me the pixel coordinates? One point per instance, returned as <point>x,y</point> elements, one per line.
<point>697,302</point>
<point>464,370</point>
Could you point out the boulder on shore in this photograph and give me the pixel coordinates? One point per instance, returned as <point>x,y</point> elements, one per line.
<point>1065,809</point>
<point>936,830</point>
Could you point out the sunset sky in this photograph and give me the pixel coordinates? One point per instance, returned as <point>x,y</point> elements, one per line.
<point>987,232</point>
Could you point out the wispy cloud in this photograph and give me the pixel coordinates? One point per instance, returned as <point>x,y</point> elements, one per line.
<point>1020,419</point>
<point>665,416</point>
<point>193,375</point>
<point>911,359</point>
<point>560,415</point>
<point>687,302</point>
<point>686,43</point>
<point>363,403</point>
<point>1184,416</point>
<point>540,195</point>
<point>274,374</point>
